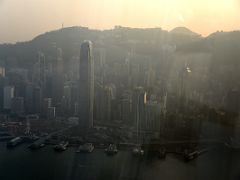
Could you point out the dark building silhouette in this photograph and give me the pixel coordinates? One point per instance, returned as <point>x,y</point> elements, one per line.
<point>37,100</point>
<point>86,85</point>
<point>17,105</point>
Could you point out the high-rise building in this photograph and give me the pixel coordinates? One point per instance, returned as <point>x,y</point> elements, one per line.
<point>29,98</point>
<point>58,78</point>
<point>86,85</point>
<point>39,70</point>
<point>47,103</point>
<point>51,113</point>
<point>3,81</point>
<point>37,100</point>
<point>153,116</point>
<point>67,95</point>
<point>8,93</point>
<point>2,71</point>
<point>108,97</point>
<point>138,106</point>
<point>126,104</point>
<point>17,105</point>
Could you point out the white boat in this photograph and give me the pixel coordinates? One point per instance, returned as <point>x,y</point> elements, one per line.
<point>87,148</point>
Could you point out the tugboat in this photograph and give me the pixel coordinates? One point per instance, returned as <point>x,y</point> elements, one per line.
<point>86,148</point>
<point>138,151</point>
<point>62,146</point>
<point>111,150</point>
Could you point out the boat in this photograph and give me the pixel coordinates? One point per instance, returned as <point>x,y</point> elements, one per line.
<point>138,151</point>
<point>39,143</point>
<point>111,149</point>
<point>14,142</point>
<point>62,146</point>
<point>86,148</point>
<point>35,146</point>
<point>193,155</point>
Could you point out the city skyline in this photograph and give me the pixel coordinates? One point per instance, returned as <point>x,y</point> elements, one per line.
<point>203,17</point>
<point>119,89</point>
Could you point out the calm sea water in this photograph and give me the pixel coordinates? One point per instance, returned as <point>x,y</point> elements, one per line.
<point>45,164</point>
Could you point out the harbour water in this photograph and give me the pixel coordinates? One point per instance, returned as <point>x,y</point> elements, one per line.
<point>21,163</point>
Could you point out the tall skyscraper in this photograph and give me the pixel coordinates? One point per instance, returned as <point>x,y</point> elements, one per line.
<point>29,98</point>
<point>41,69</point>
<point>37,100</point>
<point>8,93</point>
<point>86,85</point>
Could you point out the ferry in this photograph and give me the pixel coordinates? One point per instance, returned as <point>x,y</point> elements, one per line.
<point>87,148</point>
<point>111,150</point>
<point>62,146</point>
<point>14,142</point>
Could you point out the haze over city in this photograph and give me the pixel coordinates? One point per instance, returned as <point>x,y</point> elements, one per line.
<point>23,20</point>
<point>119,89</point>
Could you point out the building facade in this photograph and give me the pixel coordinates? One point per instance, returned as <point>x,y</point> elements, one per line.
<point>86,85</point>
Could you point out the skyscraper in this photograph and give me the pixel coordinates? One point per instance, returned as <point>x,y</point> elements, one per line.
<point>17,105</point>
<point>86,85</point>
<point>138,107</point>
<point>8,93</point>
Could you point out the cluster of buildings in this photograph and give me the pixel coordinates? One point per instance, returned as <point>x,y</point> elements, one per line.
<point>86,88</point>
<point>130,78</point>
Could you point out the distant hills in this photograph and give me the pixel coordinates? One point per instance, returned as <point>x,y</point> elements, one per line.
<point>118,42</point>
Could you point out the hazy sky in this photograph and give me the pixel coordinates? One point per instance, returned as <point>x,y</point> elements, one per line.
<point>24,19</point>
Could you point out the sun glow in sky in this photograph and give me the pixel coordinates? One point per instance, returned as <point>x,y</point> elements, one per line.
<point>24,19</point>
